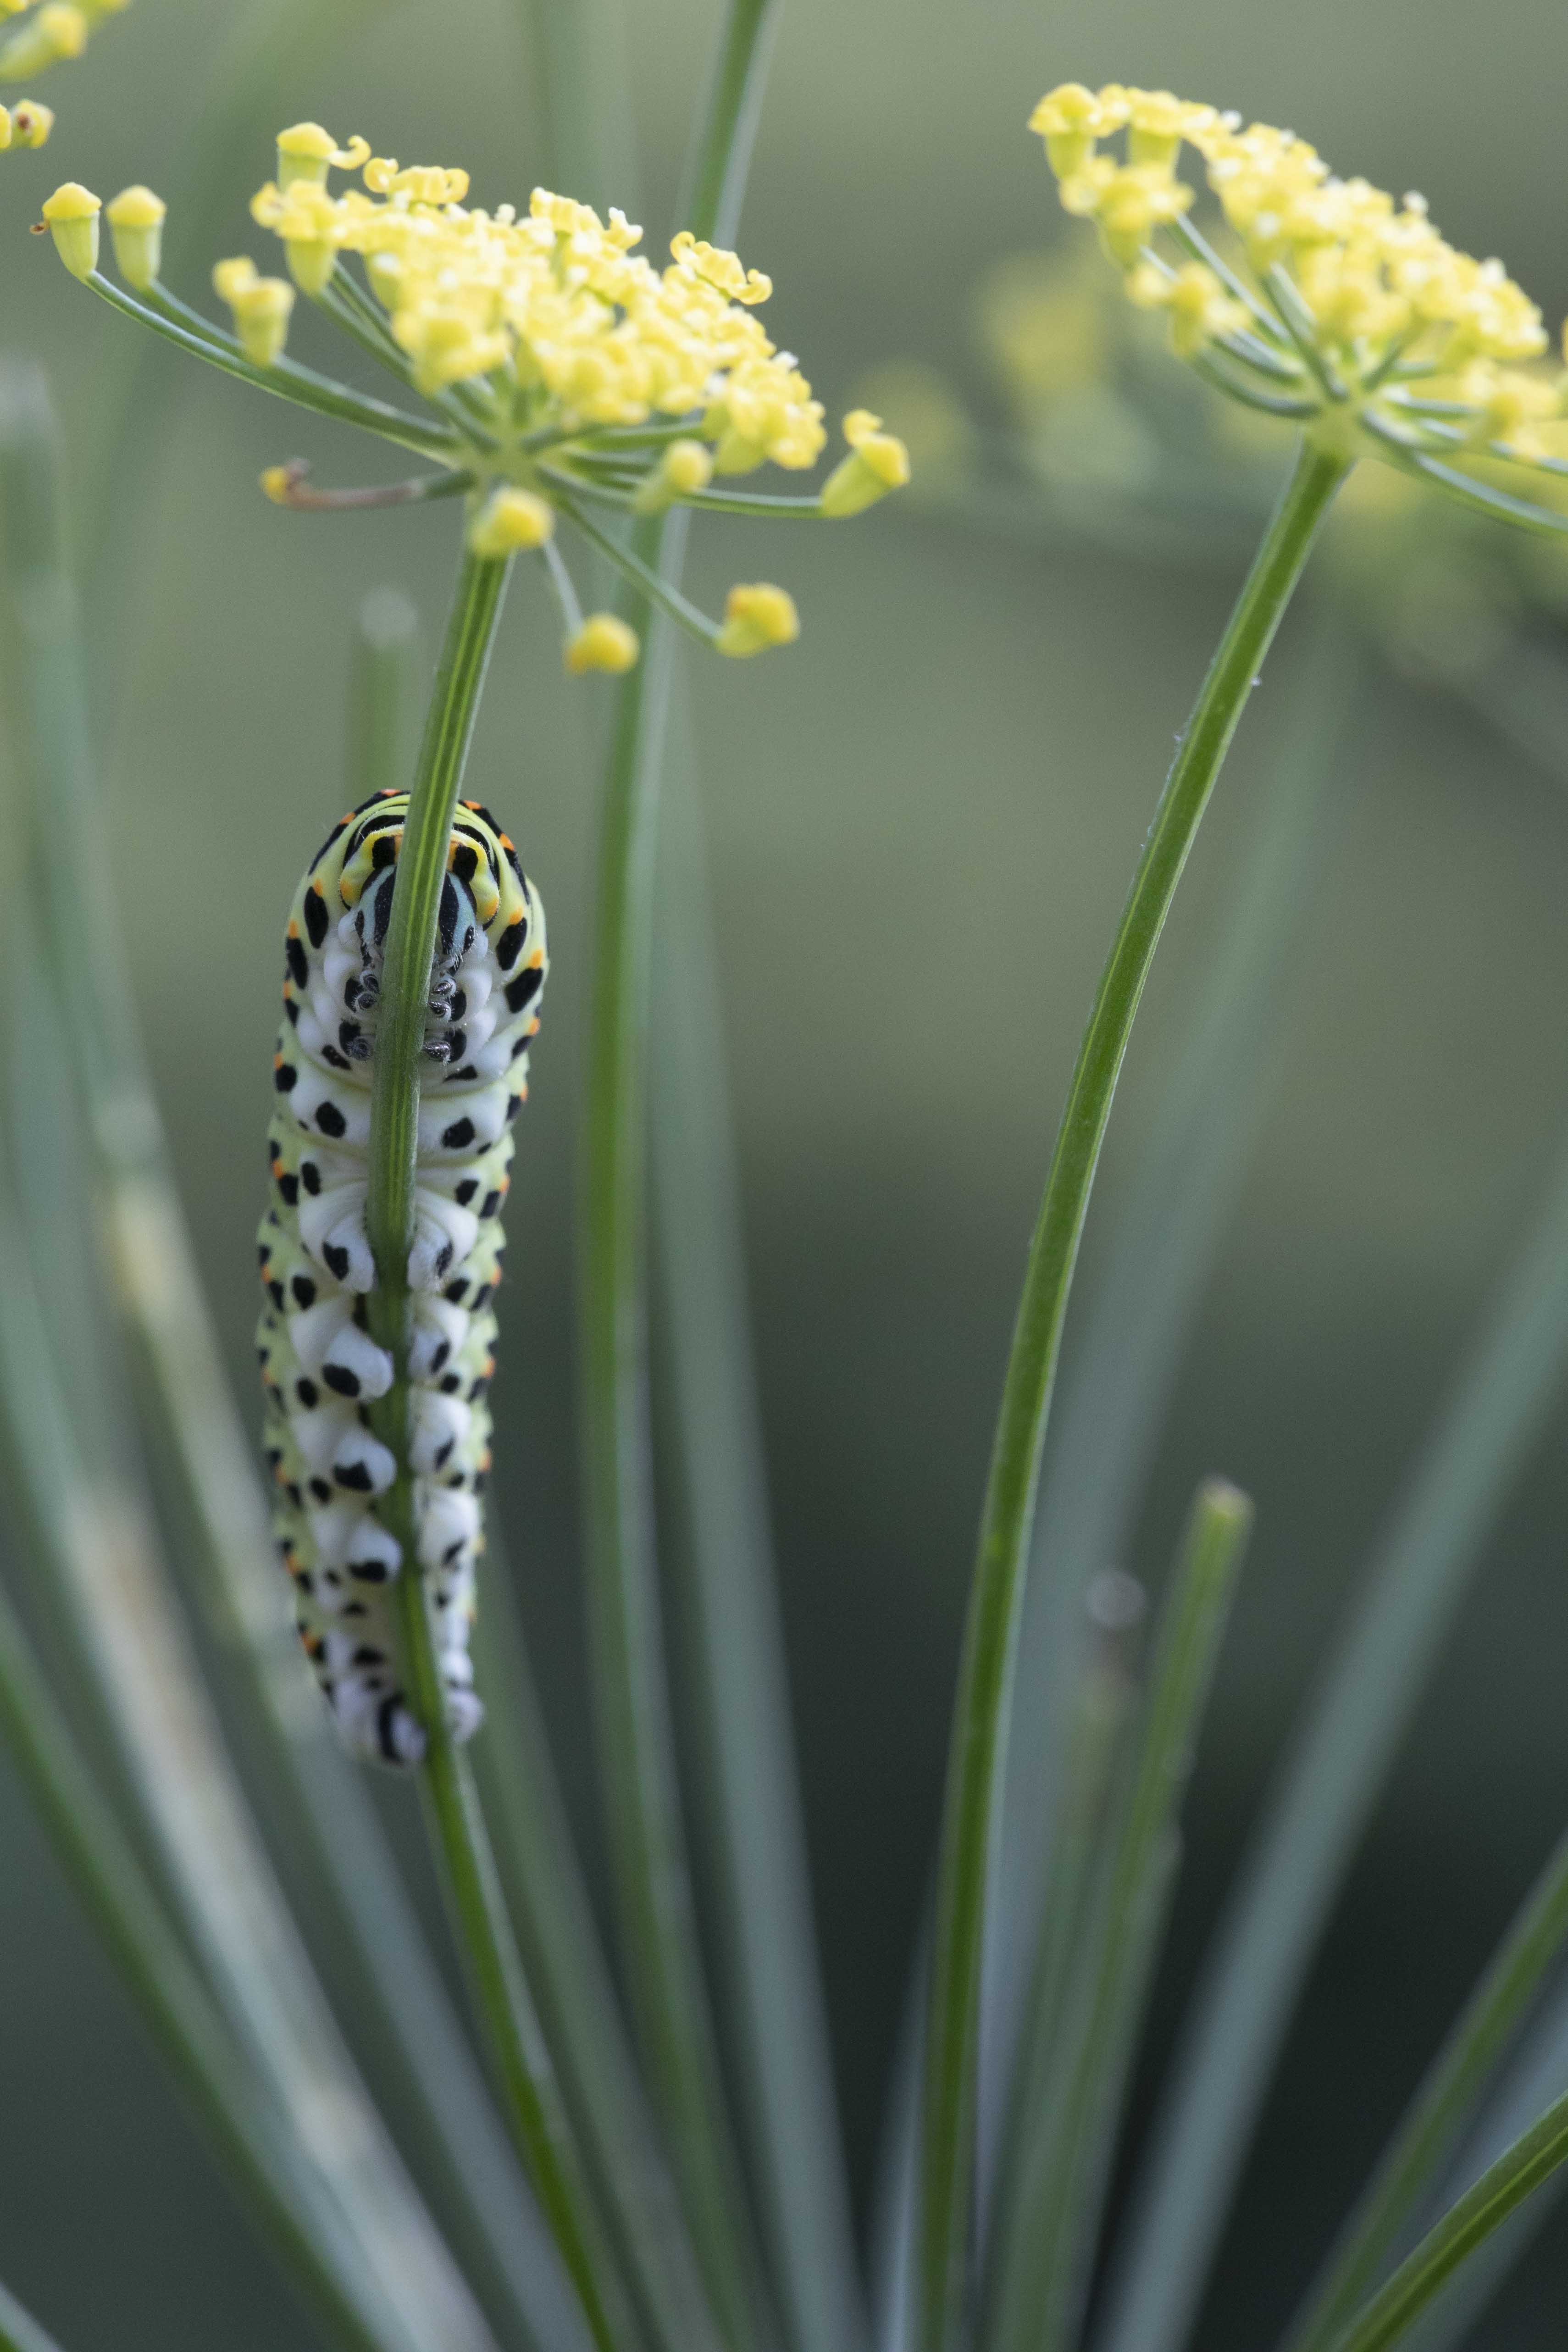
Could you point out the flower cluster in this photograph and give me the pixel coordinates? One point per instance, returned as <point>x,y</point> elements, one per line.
<point>1333,303</point>
<point>564,370</point>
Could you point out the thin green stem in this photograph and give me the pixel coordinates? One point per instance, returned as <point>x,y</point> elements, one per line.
<point>647,1842</point>
<point>633,568</point>
<point>1113,1404</point>
<point>478,1913</point>
<point>1044,2262</point>
<point>564,1961</point>
<point>1464,2228</point>
<point>1327,1787</point>
<point>722,1564</point>
<point>286,379</point>
<point>1441,2108</point>
<point>973,1800</point>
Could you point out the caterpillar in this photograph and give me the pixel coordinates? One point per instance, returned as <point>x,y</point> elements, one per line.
<point>321,1369</point>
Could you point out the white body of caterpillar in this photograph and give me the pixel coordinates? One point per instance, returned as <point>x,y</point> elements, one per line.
<point>321,1368</point>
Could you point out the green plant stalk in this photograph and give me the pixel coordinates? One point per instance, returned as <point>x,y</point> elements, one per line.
<point>564,1962</point>
<point>1426,2136</point>
<point>972,1805</point>
<point>1327,1787</point>
<point>647,1845</point>
<point>579,54</point>
<point>750,1809</point>
<point>331,1829</point>
<point>478,1913</point>
<point>223,2093</point>
<point>1464,2228</point>
<point>20,2331</point>
<point>1101,1700</point>
<point>1044,2263</point>
<point>1112,1406</point>
<point>650,1874</point>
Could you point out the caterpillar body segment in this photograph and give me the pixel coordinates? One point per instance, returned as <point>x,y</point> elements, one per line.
<point>320,1370</point>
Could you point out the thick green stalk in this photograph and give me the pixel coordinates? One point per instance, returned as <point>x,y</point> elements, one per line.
<point>647,1844</point>
<point>474,1897</point>
<point>20,2331</point>
<point>973,1800</point>
<point>224,2096</point>
<point>1425,2139</point>
<point>1045,2259</point>
<point>580,66</point>
<point>1327,1787</point>
<point>1464,2228</point>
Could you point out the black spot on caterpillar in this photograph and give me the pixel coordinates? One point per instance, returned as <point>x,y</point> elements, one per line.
<point>320,1370</point>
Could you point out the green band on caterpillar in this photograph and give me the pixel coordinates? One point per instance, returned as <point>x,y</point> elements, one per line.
<point>320,1366</point>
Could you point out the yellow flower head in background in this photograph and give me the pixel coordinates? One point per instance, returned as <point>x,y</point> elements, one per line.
<point>59,30</point>
<point>1333,303</point>
<point>561,369</point>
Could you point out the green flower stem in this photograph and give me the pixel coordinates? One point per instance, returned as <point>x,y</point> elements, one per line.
<point>220,2089</point>
<point>1045,2261</point>
<point>1327,1787</point>
<point>288,380</point>
<point>972,1804</point>
<point>647,1844</point>
<point>473,1891</point>
<point>645,578</point>
<point>20,2331</point>
<point>578,52</point>
<point>722,1566</point>
<point>1116,1393</point>
<point>1443,2102</point>
<point>564,1960</point>
<point>1465,2227</point>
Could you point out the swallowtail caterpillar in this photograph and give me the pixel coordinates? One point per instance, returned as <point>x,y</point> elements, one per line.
<point>320,1366</point>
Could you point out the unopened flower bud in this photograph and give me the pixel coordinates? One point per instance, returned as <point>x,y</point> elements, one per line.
<point>510,523</point>
<point>307,152</point>
<point>757,617</point>
<point>136,225</point>
<point>686,468</point>
<point>604,642</point>
<point>878,462</point>
<point>261,307</point>
<point>31,124</point>
<point>72,214</point>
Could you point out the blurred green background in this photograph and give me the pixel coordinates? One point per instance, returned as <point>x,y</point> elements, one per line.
<point>920,821</point>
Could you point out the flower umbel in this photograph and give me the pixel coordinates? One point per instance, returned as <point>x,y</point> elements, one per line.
<point>561,370</point>
<point>1334,303</point>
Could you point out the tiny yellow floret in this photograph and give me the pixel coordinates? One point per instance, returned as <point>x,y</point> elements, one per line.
<point>57,32</point>
<point>72,214</point>
<point>278,483</point>
<point>604,642</point>
<point>684,469</point>
<point>757,617</point>
<point>878,462</point>
<point>261,307</point>
<point>511,522</point>
<point>31,124</point>
<point>136,219</point>
<point>307,152</point>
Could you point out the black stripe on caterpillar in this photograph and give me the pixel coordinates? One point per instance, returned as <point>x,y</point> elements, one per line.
<point>320,1366</point>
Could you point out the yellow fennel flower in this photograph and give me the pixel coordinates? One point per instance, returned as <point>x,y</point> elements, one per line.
<point>1332,302</point>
